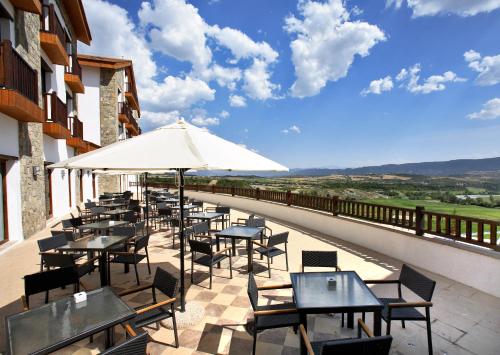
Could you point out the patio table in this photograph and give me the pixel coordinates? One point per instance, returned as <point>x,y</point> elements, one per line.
<point>186,207</point>
<point>240,232</point>
<point>102,226</point>
<point>205,216</point>
<point>313,295</point>
<point>101,244</point>
<point>58,324</point>
<point>115,214</point>
<point>114,205</point>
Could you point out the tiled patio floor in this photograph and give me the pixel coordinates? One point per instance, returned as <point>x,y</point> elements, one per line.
<point>464,320</point>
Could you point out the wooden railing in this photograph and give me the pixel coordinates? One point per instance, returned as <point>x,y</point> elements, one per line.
<point>459,228</point>
<point>56,110</point>
<point>126,110</point>
<point>49,22</point>
<point>16,73</point>
<point>129,88</point>
<point>74,67</point>
<point>76,127</point>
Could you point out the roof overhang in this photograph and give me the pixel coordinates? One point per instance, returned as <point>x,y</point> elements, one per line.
<point>76,13</point>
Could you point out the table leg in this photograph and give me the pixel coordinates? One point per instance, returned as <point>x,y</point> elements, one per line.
<point>303,321</point>
<point>110,337</point>
<point>233,243</point>
<point>350,320</point>
<point>103,268</point>
<point>217,240</point>
<point>126,267</point>
<point>250,254</point>
<point>261,242</point>
<point>377,323</point>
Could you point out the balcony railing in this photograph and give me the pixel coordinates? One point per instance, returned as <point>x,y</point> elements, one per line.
<point>16,73</point>
<point>126,110</point>
<point>74,67</point>
<point>50,23</point>
<point>129,90</point>
<point>458,228</point>
<point>76,127</point>
<point>134,123</point>
<point>56,110</point>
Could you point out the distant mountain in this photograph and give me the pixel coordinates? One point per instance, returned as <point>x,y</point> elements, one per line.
<point>437,168</point>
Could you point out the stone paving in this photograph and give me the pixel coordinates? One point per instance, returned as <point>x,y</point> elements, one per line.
<point>464,320</point>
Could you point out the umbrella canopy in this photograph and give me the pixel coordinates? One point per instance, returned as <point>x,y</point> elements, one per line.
<point>176,146</point>
<point>132,172</point>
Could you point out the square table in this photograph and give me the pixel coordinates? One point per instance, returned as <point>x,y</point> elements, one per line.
<point>240,232</point>
<point>58,324</point>
<point>93,244</point>
<point>206,216</point>
<point>102,226</point>
<point>314,296</point>
<point>115,214</point>
<point>114,205</point>
<point>186,207</point>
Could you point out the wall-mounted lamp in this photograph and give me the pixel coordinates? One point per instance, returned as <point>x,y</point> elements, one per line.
<point>63,173</point>
<point>79,173</point>
<point>33,170</point>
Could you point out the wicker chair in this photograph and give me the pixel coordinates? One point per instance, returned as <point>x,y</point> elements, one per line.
<point>51,243</point>
<point>157,310</point>
<point>270,316</point>
<point>270,250</point>
<point>133,257</point>
<point>371,345</point>
<point>60,260</point>
<point>399,309</point>
<point>317,258</point>
<point>134,344</point>
<point>209,258</point>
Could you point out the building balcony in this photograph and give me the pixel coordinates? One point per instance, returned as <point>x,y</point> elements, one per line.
<point>33,6</point>
<point>73,75</point>
<point>19,86</point>
<point>52,36</point>
<point>131,96</point>
<point>76,140</point>
<point>133,127</point>
<point>56,117</point>
<point>124,112</point>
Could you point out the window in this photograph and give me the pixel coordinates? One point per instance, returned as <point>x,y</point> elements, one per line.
<point>6,25</point>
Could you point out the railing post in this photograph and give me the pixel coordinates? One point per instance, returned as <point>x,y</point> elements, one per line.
<point>335,205</point>
<point>213,189</point>
<point>419,220</point>
<point>197,187</point>
<point>257,193</point>
<point>288,197</point>
<point>232,190</point>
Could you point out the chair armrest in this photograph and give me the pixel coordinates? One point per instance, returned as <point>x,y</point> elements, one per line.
<point>409,304</point>
<point>274,287</point>
<point>381,281</point>
<point>134,290</point>
<point>129,330</point>
<point>222,251</point>
<point>272,312</point>
<point>269,229</point>
<point>25,304</point>
<point>307,342</point>
<point>156,305</point>
<point>362,326</point>
<point>259,244</point>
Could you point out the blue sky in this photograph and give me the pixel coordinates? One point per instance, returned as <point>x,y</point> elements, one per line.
<point>324,83</point>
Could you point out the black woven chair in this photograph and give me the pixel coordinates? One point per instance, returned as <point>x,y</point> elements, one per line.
<point>209,258</point>
<point>188,232</point>
<point>133,257</point>
<point>371,345</point>
<point>201,231</point>
<point>134,344</point>
<point>270,250</point>
<point>46,281</point>
<point>68,234</point>
<point>165,215</point>
<point>399,309</point>
<point>270,316</point>
<point>152,214</point>
<point>157,310</point>
<point>130,217</point>
<point>51,243</point>
<point>317,258</point>
<point>260,223</point>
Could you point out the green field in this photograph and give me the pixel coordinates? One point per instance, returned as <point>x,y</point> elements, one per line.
<point>441,207</point>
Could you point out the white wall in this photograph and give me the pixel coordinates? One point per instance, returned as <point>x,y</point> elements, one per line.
<point>9,136</point>
<point>459,264</point>
<point>60,196</point>
<point>14,200</point>
<point>87,185</point>
<point>88,105</point>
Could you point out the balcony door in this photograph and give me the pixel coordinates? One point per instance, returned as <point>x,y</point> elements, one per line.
<point>4,235</point>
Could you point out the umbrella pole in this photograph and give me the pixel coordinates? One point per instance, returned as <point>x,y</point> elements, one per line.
<point>181,233</point>
<point>137,187</point>
<point>147,203</point>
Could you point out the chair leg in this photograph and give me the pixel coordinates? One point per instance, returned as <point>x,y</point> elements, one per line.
<point>192,269</point>
<point>343,319</point>
<point>174,323</point>
<point>136,274</point>
<point>211,276</point>
<point>388,332</point>
<point>269,266</point>
<point>429,333</point>
<point>147,258</point>
<point>230,268</point>
<point>403,324</point>
<point>254,348</point>
<point>286,259</point>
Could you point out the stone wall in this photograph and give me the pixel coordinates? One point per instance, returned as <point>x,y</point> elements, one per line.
<point>31,134</point>
<point>111,81</point>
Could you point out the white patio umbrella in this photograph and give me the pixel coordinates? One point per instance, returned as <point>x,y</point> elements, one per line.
<point>180,147</point>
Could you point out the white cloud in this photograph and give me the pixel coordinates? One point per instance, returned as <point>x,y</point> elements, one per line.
<point>490,110</point>
<point>155,119</point>
<point>488,67</point>
<point>292,128</point>
<point>378,86</point>
<point>237,101</point>
<point>258,85</point>
<point>440,7</point>
<point>410,80</point>
<point>224,114</point>
<point>205,121</point>
<point>224,76</point>
<point>326,44</point>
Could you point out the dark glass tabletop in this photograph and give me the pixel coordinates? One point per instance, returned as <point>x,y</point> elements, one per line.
<point>115,205</point>
<point>115,212</point>
<point>205,215</point>
<point>239,232</point>
<point>186,207</point>
<point>312,291</point>
<point>103,225</point>
<point>63,322</point>
<point>94,243</point>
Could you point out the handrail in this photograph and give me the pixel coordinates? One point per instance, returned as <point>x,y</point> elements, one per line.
<point>477,231</point>
<point>56,110</point>
<point>16,73</point>
<point>76,127</point>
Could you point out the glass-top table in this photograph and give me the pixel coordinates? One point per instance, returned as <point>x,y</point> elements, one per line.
<point>63,322</point>
<point>240,232</point>
<point>102,227</point>
<point>314,295</point>
<point>186,207</point>
<point>206,216</point>
<point>115,214</point>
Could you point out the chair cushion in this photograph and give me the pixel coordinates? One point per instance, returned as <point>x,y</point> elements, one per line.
<point>152,316</point>
<point>278,320</point>
<point>400,313</point>
<point>206,260</point>
<point>273,251</point>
